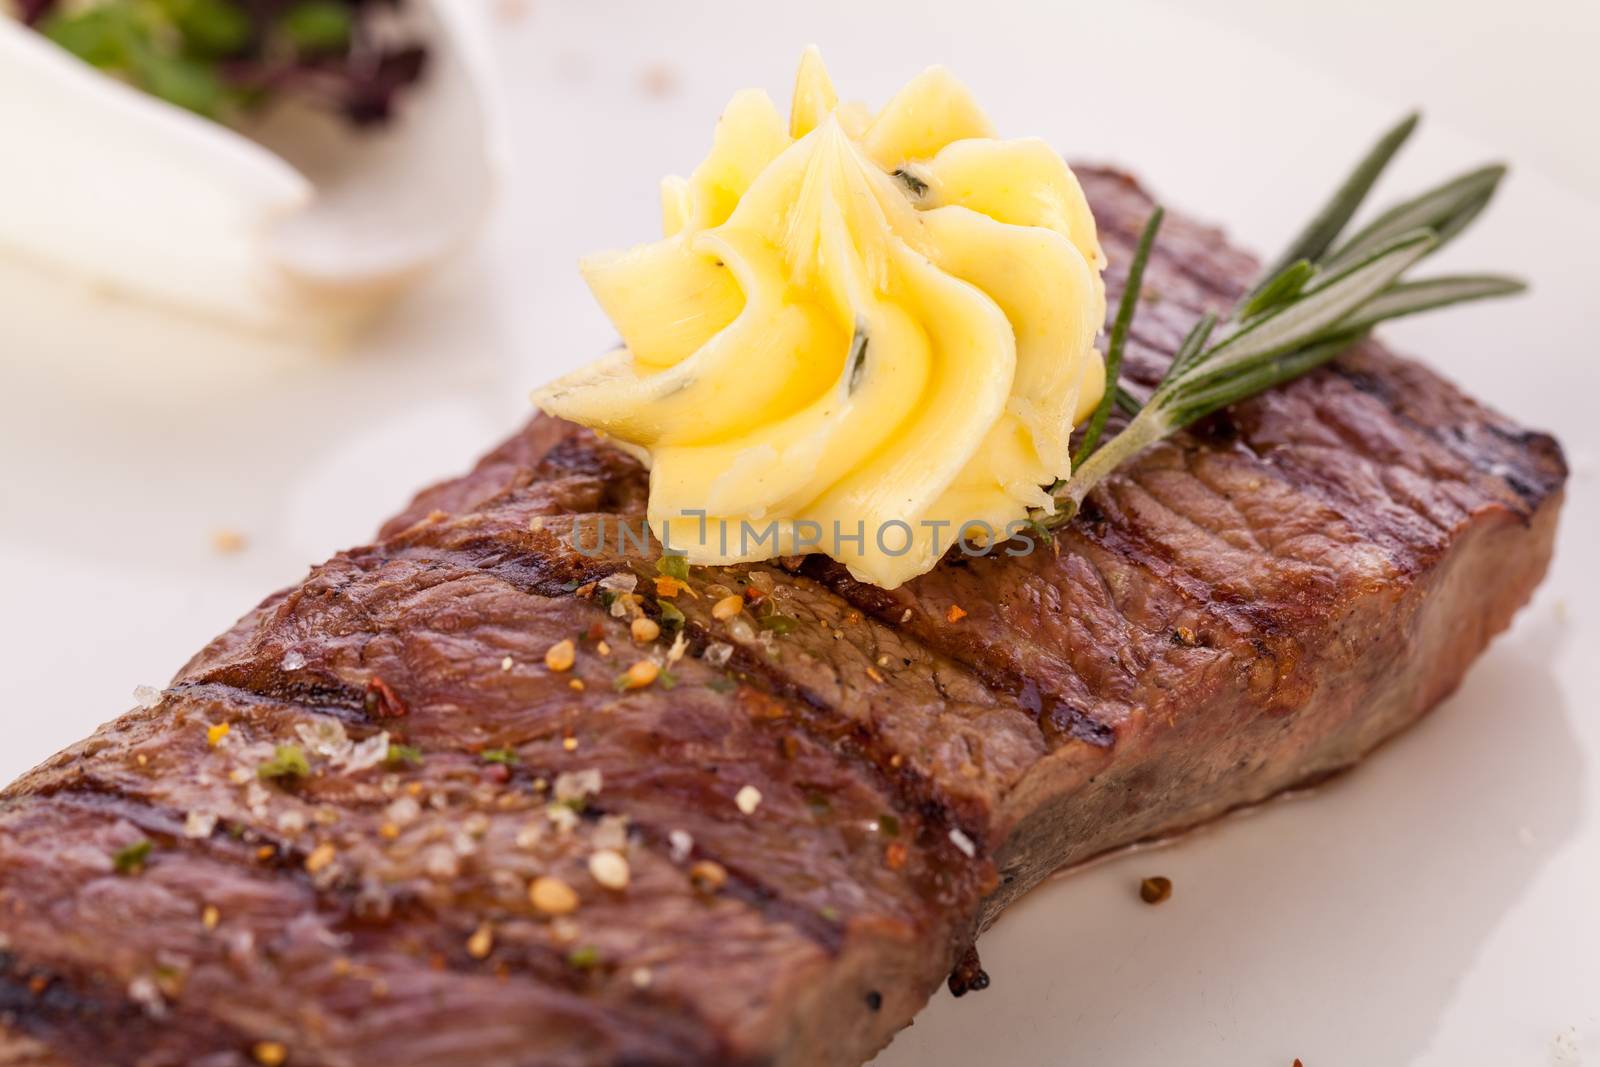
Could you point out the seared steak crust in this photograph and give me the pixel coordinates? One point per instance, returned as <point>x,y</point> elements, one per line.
<point>1250,606</point>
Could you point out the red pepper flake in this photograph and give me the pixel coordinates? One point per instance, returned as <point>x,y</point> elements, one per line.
<point>381,701</point>
<point>895,855</point>
<point>955,614</point>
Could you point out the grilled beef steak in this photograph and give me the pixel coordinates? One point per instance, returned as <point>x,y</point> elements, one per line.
<point>820,806</point>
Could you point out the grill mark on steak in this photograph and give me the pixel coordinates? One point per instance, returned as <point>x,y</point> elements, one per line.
<point>1171,656</point>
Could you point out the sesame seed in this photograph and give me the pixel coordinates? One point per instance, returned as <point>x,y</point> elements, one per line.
<point>507,663</point>
<point>708,876</point>
<point>227,541</point>
<point>748,799</point>
<point>320,857</point>
<point>561,655</point>
<point>963,842</point>
<point>270,1053</point>
<point>610,868</point>
<point>640,674</point>
<point>645,630</point>
<point>210,917</point>
<point>727,607</point>
<point>570,744</point>
<point>481,943</point>
<point>641,978</point>
<point>874,674</point>
<point>552,896</point>
<point>602,648</point>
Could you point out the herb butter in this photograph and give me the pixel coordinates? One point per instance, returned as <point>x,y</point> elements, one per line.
<point>862,334</point>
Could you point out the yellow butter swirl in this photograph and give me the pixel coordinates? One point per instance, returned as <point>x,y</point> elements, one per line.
<point>861,335</point>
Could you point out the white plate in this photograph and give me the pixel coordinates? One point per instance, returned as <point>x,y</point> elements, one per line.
<point>1436,907</point>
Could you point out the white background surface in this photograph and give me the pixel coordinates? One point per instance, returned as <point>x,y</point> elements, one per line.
<point>1440,906</point>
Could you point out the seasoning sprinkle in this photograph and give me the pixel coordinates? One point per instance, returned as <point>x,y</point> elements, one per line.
<point>131,859</point>
<point>227,541</point>
<point>728,607</point>
<point>288,761</point>
<point>708,876</point>
<point>1155,890</point>
<point>610,868</point>
<point>407,755</point>
<point>561,655</point>
<point>216,732</point>
<point>638,676</point>
<point>895,855</point>
<point>270,1053</point>
<point>320,857</point>
<point>552,896</point>
<point>748,799</point>
<point>955,614</point>
<point>481,943</point>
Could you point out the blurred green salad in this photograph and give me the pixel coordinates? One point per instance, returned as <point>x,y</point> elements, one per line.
<point>225,58</point>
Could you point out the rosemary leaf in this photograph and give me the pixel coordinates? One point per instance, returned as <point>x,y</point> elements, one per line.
<point>1212,395</point>
<point>1126,402</point>
<point>1325,227</point>
<point>1193,345</point>
<point>1306,310</point>
<point>1446,210</point>
<point>1313,312</point>
<point>1279,290</point>
<point>1119,336</point>
<point>1410,298</point>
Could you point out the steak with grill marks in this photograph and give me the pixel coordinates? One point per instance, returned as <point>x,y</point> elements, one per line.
<point>817,826</point>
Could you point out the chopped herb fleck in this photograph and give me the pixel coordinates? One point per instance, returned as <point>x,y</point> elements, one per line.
<point>671,617</point>
<point>130,859</point>
<point>674,566</point>
<point>914,185</point>
<point>829,912</point>
<point>584,958</point>
<point>722,685</point>
<point>288,761</point>
<point>504,756</point>
<point>666,679</point>
<point>857,360</point>
<point>403,755</point>
<point>779,624</point>
<point>889,824</point>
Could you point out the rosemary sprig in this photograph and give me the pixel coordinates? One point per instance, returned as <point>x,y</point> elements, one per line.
<point>1317,299</point>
